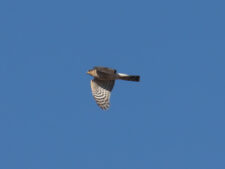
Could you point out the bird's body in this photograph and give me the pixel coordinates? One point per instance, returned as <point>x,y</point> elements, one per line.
<point>103,82</point>
<point>103,73</point>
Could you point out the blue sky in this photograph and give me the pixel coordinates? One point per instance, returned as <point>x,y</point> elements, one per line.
<point>173,119</point>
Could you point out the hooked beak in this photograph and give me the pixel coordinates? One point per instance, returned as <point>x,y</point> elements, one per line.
<point>88,72</point>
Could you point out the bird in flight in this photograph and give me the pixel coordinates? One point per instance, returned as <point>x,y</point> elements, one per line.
<point>103,82</point>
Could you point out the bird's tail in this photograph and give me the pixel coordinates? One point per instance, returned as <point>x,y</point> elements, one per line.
<point>134,78</point>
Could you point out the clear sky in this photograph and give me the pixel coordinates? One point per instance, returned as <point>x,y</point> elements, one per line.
<point>173,119</point>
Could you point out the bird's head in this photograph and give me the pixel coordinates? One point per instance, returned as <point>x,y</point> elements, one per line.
<point>91,72</point>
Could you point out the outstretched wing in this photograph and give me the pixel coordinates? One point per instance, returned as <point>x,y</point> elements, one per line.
<point>101,91</point>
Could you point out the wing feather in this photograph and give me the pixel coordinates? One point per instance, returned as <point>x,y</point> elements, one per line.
<point>101,91</point>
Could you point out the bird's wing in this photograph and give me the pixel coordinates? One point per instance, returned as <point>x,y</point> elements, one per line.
<point>101,90</point>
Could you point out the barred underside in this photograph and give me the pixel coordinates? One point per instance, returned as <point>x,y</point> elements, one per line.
<point>101,90</point>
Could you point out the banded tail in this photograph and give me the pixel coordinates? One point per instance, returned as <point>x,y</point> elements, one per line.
<point>134,78</point>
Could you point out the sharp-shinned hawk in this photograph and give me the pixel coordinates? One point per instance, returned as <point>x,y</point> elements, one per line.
<point>103,82</point>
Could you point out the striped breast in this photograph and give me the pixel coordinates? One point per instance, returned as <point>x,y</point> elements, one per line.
<point>101,91</point>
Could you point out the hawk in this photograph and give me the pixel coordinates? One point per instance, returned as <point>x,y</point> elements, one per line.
<point>103,82</point>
